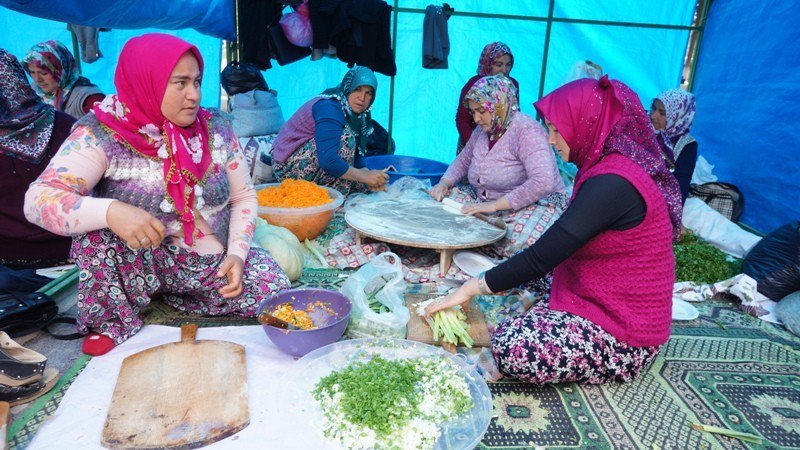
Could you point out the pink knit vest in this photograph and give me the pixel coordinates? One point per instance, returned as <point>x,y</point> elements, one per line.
<point>622,280</point>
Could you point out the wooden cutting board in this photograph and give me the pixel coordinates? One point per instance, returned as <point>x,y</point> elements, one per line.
<point>181,395</point>
<point>418,329</point>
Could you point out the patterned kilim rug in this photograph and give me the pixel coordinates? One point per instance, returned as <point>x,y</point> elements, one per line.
<point>725,369</point>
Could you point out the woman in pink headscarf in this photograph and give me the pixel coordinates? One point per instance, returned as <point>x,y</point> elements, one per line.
<point>156,194</point>
<point>496,59</point>
<point>608,309</point>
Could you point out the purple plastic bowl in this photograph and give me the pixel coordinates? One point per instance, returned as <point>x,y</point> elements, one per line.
<point>330,326</point>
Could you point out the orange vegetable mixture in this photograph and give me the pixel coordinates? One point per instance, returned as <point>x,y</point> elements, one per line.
<point>293,194</point>
<point>296,317</point>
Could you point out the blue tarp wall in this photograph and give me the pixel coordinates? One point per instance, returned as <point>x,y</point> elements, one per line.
<point>748,103</point>
<point>747,78</point>
<point>19,32</point>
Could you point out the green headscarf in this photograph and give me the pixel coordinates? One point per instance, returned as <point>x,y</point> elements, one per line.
<point>361,124</point>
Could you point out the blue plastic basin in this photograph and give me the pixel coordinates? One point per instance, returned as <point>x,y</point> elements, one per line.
<point>407,166</point>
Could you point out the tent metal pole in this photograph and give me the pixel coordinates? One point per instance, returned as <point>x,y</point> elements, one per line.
<point>76,49</point>
<point>395,11</point>
<point>559,20</point>
<point>696,52</point>
<point>546,48</point>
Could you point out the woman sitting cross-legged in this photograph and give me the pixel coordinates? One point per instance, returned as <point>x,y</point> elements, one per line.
<point>509,165</point>
<point>156,194</point>
<point>321,140</point>
<point>609,307</point>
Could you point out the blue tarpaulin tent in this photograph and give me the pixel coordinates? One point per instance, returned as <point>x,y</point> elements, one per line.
<point>746,76</point>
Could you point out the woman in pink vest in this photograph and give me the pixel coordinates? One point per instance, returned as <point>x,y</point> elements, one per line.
<point>608,309</point>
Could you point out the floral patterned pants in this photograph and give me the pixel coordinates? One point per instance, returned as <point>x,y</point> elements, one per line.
<point>546,346</point>
<point>116,282</point>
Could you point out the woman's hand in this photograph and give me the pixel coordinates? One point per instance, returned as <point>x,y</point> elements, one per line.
<point>440,191</point>
<point>376,180</point>
<point>482,207</point>
<point>461,296</point>
<point>134,225</point>
<point>232,267</point>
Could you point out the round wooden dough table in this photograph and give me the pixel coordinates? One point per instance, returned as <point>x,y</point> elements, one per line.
<point>420,223</point>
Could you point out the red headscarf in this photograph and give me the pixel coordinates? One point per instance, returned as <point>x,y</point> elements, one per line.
<point>599,117</point>
<point>134,115</point>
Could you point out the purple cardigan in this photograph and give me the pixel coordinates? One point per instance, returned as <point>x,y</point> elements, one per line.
<point>520,165</point>
<point>298,130</point>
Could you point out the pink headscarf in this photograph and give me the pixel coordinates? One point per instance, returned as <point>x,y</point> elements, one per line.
<point>134,115</point>
<point>599,117</point>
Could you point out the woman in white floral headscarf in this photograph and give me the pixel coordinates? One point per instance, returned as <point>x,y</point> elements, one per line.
<point>157,196</point>
<point>672,114</point>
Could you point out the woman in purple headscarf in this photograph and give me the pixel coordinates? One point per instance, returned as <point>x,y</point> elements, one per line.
<point>608,309</point>
<point>672,114</point>
<point>496,58</point>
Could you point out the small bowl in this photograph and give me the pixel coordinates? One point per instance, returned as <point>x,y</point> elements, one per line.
<point>330,327</point>
<point>405,166</point>
<point>305,223</point>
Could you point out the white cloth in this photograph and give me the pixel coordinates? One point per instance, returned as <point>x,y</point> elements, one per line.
<point>78,421</point>
<point>715,228</point>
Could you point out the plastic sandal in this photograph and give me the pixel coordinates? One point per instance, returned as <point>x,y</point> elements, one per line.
<point>18,365</point>
<point>41,387</point>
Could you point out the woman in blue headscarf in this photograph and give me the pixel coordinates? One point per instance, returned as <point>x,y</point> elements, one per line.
<point>321,140</point>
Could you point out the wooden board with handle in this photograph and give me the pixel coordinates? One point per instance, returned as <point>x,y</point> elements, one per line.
<point>418,329</point>
<point>181,395</point>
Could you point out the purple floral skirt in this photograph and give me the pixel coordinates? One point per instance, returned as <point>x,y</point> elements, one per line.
<point>547,346</point>
<point>116,282</point>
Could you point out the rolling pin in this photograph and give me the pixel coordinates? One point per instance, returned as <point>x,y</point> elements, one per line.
<point>455,207</point>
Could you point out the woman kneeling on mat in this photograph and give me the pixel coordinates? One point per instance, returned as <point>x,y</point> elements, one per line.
<point>608,309</point>
<point>321,140</point>
<point>157,196</point>
<point>509,165</point>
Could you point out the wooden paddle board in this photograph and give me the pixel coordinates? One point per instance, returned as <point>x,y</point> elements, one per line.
<point>420,331</point>
<point>181,395</point>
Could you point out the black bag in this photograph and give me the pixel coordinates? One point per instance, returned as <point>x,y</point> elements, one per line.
<point>242,77</point>
<point>775,262</point>
<point>22,314</point>
<point>284,51</point>
<point>725,198</point>
<point>378,141</point>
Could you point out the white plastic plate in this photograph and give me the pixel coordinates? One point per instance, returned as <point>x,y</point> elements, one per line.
<point>472,263</point>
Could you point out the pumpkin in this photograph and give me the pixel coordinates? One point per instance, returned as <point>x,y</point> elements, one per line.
<point>282,245</point>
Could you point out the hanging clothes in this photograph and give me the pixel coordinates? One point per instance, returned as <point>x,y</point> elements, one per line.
<point>255,17</point>
<point>435,38</point>
<point>359,29</point>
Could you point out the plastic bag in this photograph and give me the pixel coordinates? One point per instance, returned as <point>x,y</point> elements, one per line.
<point>376,292</point>
<point>775,262</point>
<point>703,172</point>
<point>297,26</point>
<point>241,77</point>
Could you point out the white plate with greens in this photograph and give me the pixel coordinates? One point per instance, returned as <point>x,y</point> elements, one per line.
<point>330,426</point>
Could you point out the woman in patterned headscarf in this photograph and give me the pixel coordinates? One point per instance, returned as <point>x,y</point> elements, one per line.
<point>30,134</point>
<point>496,58</point>
<point>52,68</point>
<point>321,140</point>
<point>672,114</point>
<point>609,306</point>
<point>509,165</point>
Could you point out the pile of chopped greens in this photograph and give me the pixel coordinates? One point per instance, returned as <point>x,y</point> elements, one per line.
<point>391,404</point>
<point>696,260</point>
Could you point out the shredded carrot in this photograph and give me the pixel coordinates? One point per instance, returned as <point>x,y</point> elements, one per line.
<point>294,194</point>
